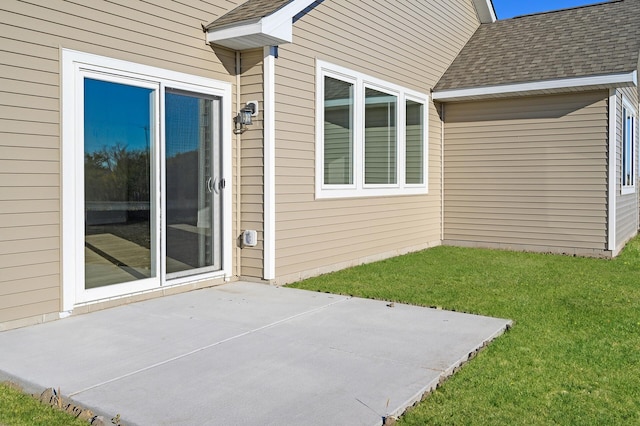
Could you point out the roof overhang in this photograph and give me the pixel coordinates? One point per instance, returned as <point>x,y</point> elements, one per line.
<point>277,28</point>
<point>485,10</point>
<point>545,87</point>
<point>272,30</point>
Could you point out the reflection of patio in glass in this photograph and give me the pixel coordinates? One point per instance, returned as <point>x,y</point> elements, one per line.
<point>119,253</point>
<point>127,228</point>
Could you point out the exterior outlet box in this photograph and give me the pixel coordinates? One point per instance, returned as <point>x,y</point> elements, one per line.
<point>249,238</point>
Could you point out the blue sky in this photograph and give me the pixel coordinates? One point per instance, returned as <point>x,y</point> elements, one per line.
<point>121,114</point>
<point>510,8</point>
<point>115,114</point>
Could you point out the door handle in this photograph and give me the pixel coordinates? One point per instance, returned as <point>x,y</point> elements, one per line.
<point>215,185</point>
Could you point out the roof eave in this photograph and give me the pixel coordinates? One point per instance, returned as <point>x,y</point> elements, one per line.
<point>486,11</point>
<point>250,35</point>
<point>277,28</point>
<point>544,87</point>
<point>272,30</point>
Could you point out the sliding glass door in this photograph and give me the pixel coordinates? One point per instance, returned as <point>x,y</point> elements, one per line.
<point>152,198</point>
<point>119,204</point>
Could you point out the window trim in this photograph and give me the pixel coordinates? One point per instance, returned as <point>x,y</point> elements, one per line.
<point>75,67</point>
<point>362,81</point>
<point>628,110</point>
<point>399,119</point>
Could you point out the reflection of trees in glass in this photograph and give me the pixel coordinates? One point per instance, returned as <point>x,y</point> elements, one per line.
<point>182,176</point>
<point>117,174</point>
<point>182,188</point>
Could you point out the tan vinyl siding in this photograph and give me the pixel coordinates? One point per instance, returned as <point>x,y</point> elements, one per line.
<point>252,170</point>
<point>626,205</point>
<point>163,33</point>
<point>405,43</point>
<point>527,173</point>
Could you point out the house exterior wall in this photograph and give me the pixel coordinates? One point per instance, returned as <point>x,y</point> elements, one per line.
<point>527,173</point>
<point>252,164</point>
<point>163,34</point>
<point>407,43</point>
<point>626,204</point>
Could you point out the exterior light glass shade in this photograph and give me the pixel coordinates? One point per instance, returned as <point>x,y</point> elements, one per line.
<point>243,119</point>
<point>245,116</point>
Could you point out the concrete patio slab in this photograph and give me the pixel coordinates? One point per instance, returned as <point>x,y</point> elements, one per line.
<point>247,354</point>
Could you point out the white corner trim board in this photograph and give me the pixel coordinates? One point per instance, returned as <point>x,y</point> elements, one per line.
<point>269,255</point>
<point>611,216</point>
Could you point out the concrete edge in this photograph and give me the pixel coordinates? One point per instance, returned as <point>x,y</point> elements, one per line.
<point>31,389</point>
<point>405,407</point>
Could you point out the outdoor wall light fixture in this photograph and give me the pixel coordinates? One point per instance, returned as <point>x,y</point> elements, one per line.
<point>244,117</point>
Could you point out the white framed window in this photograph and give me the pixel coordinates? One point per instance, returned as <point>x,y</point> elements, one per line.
<point>628,148</point>
<point>146,154</point>
<point>371,136</point>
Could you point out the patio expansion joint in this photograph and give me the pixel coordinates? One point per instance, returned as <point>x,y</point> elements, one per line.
<point>209,346</point>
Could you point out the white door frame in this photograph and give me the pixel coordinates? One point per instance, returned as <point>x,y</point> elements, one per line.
<point>75,67</point>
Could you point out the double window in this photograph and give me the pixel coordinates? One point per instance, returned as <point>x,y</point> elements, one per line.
<point>628,148</point>
<point>371,136</point>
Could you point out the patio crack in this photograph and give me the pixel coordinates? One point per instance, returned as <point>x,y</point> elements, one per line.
<point>203,348</point>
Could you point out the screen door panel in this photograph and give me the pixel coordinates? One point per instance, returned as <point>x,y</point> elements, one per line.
<point>193,183</point>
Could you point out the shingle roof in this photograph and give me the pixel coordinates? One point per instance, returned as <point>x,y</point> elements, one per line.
<point>250,10</point>
<point>586,41</point>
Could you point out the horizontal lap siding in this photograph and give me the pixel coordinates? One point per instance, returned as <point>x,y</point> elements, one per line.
<point>163,33</point>
<point>527,172</point>
<point>407,43</point>
<point>626,205</point>
<point>252,167</point>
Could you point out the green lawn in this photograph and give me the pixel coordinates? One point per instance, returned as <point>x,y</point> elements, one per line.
<point>19,409</point>
<point>572,357</point>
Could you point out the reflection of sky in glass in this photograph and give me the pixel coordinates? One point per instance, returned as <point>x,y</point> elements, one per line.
<point>116,114</point>
<point>181,125</point>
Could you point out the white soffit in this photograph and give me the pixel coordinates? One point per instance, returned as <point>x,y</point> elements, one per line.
<point>538,87</point>
<point>485,10</point>
<point>271,30</point>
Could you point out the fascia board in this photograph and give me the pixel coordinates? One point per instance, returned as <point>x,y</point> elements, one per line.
<point>485,10</point>
<point>234,31</point>
<point>609,80</point>
<point>274,29</point>
<point>250,36</point>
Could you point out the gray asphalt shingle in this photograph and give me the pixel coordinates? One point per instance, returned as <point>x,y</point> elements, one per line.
<point>248,11</point>
<point>585,41</point>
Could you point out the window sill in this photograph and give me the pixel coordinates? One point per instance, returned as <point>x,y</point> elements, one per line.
<point>326,194</point>
<point>628,190</point>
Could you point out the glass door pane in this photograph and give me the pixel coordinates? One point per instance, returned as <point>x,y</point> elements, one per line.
<point>193,183</point>
<point>119,221</point>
